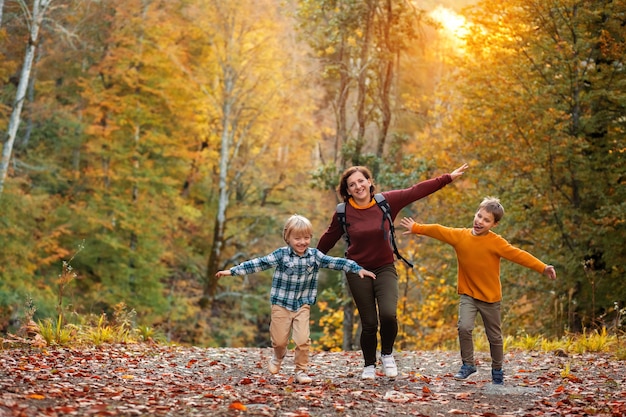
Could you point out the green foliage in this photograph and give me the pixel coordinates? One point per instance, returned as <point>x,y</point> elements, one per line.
<point>150,334</point>
<point>122,132</point>
<point>102,331</point>
<point>85,330</point>
<point>56,332</point>
<point>561,62</point>
<point>100,334</point>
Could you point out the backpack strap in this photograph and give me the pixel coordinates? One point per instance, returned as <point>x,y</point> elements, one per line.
<point>341,216</point>
<point>381,201</point>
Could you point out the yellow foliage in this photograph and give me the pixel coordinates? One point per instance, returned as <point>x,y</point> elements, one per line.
<point>332,325</point>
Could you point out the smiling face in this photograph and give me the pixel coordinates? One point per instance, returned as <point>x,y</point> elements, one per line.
<point>483,222</point>
<point>359,187</point>
<point>298,232</point>
<point>299,242</point>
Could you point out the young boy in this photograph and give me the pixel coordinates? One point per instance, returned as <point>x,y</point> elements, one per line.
<point>478,252</point>
<point>294,290</point>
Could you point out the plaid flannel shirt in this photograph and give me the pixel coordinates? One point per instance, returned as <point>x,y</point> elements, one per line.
<point>294,283</point>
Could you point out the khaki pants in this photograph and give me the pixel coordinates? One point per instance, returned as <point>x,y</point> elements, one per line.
<point>490,312</point>
<point>295,323</point>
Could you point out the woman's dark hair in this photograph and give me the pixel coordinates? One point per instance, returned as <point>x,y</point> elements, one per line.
<point>342,188</point>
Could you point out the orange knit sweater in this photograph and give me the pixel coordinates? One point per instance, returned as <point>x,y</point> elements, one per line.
<point>478,259</point>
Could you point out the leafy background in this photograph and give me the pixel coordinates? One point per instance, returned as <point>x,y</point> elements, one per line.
<point>160,141</point>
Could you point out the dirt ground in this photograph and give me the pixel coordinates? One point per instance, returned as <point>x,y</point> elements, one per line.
<point>139,380</point>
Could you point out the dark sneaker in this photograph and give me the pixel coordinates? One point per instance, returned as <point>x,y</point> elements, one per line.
<point>497,376</point>
<point>465,371</point>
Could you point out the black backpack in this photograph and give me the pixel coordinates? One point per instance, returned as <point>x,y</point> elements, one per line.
<point>384,206</point>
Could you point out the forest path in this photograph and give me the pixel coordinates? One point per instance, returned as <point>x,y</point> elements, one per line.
<point>154,380</point>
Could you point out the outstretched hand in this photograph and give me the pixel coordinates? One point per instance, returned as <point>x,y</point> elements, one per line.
<point>365,273</point>
<point>459,171</point>
<point>223,273</point>
<point>408,223</point>
<point>550,272</point>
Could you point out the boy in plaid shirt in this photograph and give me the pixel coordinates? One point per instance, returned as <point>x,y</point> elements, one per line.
<point>294,290</point>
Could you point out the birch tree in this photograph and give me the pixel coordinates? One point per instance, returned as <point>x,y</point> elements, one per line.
<point>248,117</point>
<point>35,21</point>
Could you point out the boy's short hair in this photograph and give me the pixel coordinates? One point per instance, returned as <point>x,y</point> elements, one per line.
<point>297,224</point>
<point>492,205</point>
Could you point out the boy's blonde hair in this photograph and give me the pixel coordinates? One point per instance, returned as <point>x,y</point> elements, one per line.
<point>492,205</point>
<point>297,224</point>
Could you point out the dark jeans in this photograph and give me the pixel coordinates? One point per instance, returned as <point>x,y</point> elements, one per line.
<point>376,301</point>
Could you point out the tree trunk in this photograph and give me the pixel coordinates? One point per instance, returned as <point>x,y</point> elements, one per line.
<point>362,85</point>
<point>39,10</point>
<point>220,220</point>
<point>387,76</point>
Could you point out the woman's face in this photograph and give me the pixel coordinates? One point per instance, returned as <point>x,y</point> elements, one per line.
<point>359,187</point>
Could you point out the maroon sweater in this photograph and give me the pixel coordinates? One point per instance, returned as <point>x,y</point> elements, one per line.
<point>368,244</point>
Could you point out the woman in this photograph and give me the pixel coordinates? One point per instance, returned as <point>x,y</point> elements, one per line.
<point>375,299</point>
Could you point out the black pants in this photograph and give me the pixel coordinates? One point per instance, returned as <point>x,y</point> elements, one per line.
<point>377,302</point>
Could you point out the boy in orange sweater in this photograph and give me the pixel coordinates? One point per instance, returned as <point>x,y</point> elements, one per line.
<point>478,252</point>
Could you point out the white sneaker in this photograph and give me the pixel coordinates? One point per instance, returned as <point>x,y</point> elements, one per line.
<point>274,365</point>
<point>369,372</point>
<point>303,378</point>
<point>389,366</point>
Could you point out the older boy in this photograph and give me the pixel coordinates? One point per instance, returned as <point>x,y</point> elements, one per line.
<point>479,251</point>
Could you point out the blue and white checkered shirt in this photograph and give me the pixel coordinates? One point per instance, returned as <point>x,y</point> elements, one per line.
<point>294,283</point>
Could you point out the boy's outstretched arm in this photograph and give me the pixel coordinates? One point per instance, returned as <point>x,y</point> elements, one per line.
<point>365,273</point>
<point>408,223</point>
<point>550,271</point>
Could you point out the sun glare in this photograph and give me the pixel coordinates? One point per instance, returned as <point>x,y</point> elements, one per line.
<point>453,23</point>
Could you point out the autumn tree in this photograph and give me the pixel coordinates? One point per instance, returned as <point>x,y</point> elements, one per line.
<point>30,204</point>
<point>359,46</point>
<point>246,92</point>
<point>122,156</point>
<point>537,103</point>
<point>35,18</point>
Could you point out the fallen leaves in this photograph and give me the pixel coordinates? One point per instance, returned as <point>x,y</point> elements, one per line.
<point>175,381</point>
<point>236,405</point>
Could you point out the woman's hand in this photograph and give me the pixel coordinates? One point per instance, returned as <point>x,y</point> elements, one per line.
<point>459,171</point>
